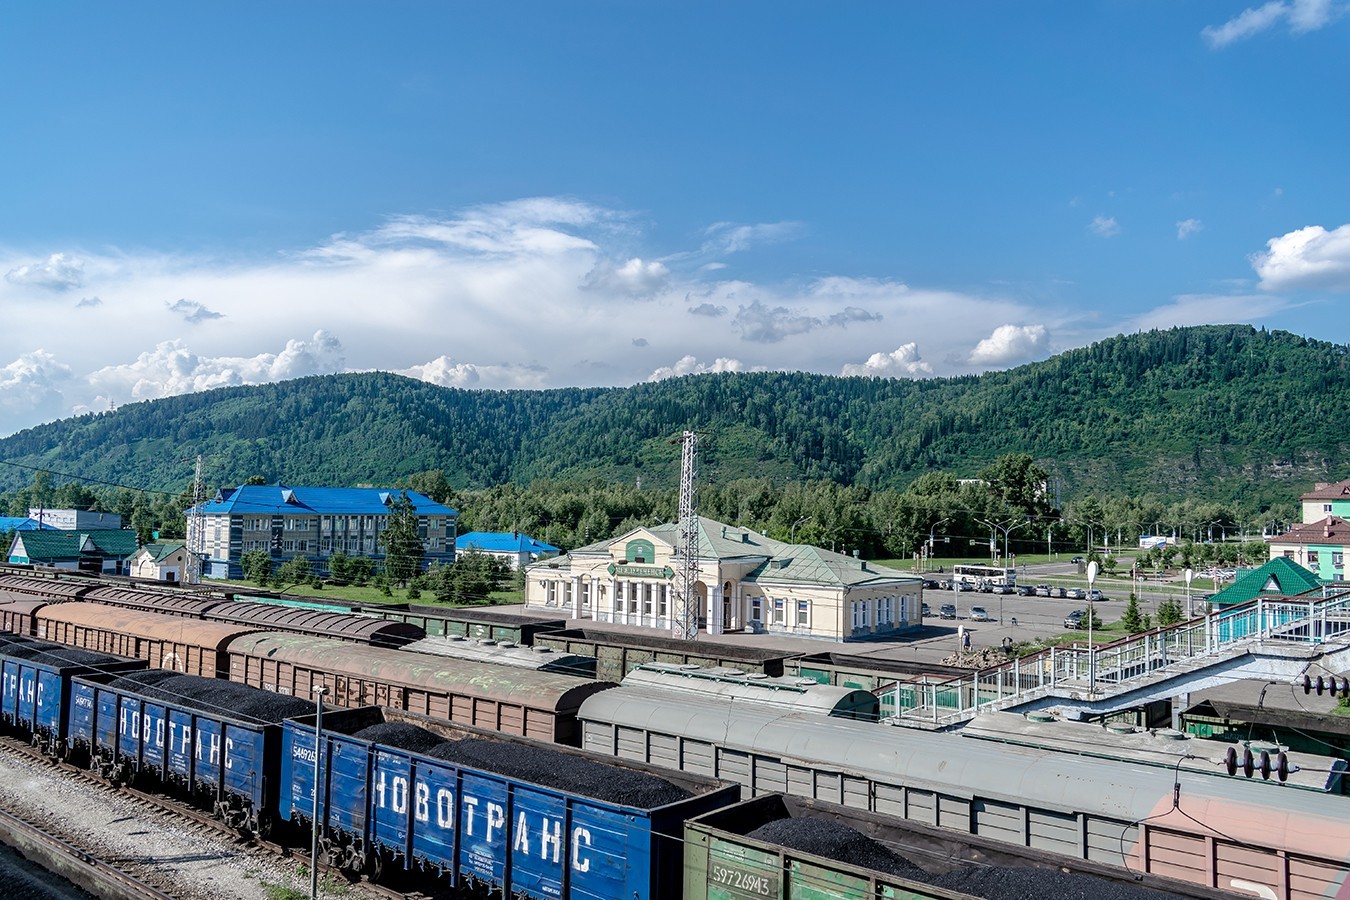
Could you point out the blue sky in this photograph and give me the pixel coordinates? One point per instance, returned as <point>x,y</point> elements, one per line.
<point>545,194</point>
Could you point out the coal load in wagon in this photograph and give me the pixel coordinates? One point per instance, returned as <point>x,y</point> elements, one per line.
<point>1018,883</point>
<point>550,768</point>
<point>223,699</point>
<point>57,656</point>
<point>836,841</point>
<point>401,735</point>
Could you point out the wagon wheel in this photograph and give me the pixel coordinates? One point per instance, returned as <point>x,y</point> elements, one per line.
<point>266,825</point>
<point>375,870</point>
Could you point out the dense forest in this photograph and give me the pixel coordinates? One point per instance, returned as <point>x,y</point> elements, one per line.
<point>1228,415</point>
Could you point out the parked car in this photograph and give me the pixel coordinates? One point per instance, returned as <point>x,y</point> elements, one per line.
<point>1077,560</point>
<point>1095,596</point>
<point>978,614</point>
<point>1075,594</point>
<point>926,611</point>
<point>1058,592</point>
<point>948,611</point>
<point>985,587</point>
<point>930,583</point>
<point>1042,590</point>
<point>1079,619</point>
<point>1005,589</point>
<point>1026,590</point>
<point>959,586</point>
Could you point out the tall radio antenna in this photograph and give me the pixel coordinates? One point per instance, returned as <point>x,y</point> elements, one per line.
<point>686,575</point>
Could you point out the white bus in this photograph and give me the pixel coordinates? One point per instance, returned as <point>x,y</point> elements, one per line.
<point>974,578</point>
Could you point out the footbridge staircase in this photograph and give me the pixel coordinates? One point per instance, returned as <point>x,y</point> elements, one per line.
<point>1279,639</point>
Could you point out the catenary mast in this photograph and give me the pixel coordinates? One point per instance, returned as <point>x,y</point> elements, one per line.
<point>686,574</point>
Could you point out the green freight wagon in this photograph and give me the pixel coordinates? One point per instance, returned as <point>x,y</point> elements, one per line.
<point>723,861</point>
<point>618,653</point>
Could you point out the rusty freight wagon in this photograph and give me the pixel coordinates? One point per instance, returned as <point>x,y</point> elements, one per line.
<point>166,642</point>
<point>534,704</point>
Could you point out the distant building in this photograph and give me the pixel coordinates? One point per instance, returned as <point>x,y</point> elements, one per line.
<point>1326,500</point>
<point>516,548</point>
<point>315,523</point>
<point>75,519</point>
<point>104,551</point>
<point>159,561</point>
<point>1320,547</point>
<point>19,523</point>
<point>747,582</point>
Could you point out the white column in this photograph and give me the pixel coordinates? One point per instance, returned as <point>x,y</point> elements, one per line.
<point>715,609</point>
<point>620,610</point>
<point>576,596</point>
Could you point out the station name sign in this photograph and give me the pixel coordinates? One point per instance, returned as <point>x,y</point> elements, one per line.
<point>632,571</point>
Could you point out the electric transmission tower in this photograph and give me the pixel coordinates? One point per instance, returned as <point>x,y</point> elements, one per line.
<point>686,575</point>
<point>196,551</point>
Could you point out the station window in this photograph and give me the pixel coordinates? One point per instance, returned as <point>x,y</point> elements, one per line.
<point>804,613</point>
<point>756,609</point>
<point>779,612</point>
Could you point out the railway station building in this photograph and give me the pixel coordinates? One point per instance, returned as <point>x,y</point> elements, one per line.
<point>747,582</point>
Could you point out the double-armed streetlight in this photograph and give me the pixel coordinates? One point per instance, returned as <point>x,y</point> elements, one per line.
<point>931,532</point>
<point>1007,527</point>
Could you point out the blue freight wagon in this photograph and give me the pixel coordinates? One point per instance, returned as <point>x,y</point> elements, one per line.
<point>35,688</point>
<point>384,810</point>
<point>215,743</point>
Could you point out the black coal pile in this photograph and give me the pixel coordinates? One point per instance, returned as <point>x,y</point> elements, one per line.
<point>401,735</point>
<point>836,841</point>
<point>224,699</point>
<point>550,768</point>
<point>1008,883</point>
<point>56,655</point>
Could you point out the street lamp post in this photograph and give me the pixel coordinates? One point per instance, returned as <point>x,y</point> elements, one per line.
<point>1092,648</point>
<point>319,692</point>
<point>1007,528</point>
<point>792,532</point>
<point>931,532</point>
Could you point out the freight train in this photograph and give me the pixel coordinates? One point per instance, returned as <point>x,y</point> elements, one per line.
<point>1206,826</point>
<point>428,804</point>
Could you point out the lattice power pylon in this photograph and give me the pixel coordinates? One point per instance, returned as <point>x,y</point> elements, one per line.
<point>686,575</point>
<point>196,550</point>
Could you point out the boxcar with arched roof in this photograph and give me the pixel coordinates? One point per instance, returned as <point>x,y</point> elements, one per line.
<point>166,602</point>
<point>541,705</point>
<point>51,587</point>
<point>337,625</point>
<point>166,642</point>
<point>17,611</point>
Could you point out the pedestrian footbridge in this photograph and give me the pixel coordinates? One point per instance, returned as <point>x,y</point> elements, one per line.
<point>1278,639</point>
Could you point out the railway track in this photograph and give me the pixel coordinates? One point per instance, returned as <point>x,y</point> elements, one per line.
<point>70,852</point>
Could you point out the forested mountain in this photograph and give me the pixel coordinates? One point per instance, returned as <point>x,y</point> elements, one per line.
<point>1211,411</point>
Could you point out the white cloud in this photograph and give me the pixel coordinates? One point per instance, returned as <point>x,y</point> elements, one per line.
<point>191,311</point>
<point>1309,258</point>
<point>58,273</point>
<point>1010,344</point>
<point>902,362</point>
<point>1188,227</point>
<point>1302,16</point>
<point>30,389</point>
<point>173,368</point>
<point>728,237</point>
<point>1205,309</point>
<point>533,294</point>
<point>634,278</point>
<point>1104,226</point>
<point>446,372</point>
<point>689,365</point>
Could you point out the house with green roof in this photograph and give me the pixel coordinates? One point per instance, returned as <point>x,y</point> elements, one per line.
<point>746,582</point>
<point>104,551</point>
<point>160,561</point>
<point>1279,577</point>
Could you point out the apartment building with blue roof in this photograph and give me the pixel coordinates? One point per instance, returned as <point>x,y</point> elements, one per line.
<point>315,523</point>
<point>516,548</point>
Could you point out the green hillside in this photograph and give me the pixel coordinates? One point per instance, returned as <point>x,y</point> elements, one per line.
<point>1211,411</point>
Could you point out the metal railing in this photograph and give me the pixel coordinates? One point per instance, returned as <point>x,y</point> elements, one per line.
<point>945,701</point>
